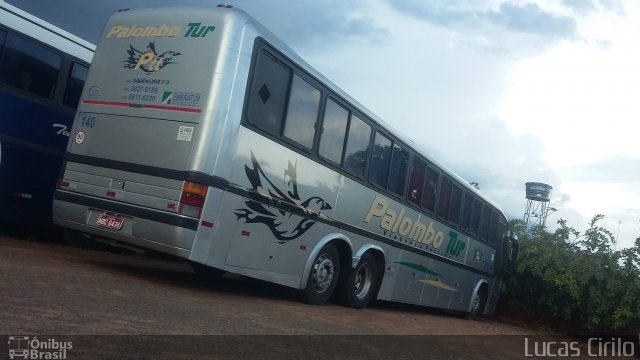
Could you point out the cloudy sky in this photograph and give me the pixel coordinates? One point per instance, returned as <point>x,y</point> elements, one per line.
<point>501,91</point>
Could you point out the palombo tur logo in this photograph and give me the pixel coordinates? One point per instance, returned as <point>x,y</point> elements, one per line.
<point>148,60</point>
<point>194,30</point>
<point>398,223</point>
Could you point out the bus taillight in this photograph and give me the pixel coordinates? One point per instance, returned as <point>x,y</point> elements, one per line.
<point>192,199</point>
<point>61,182</point>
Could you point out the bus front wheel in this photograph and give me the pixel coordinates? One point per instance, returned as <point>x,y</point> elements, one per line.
<point>323,276</point>
<point>358,285</point>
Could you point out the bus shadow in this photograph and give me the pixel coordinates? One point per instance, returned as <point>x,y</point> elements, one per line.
<point>147,265</point>
<point>415,309</point>
<point>170,271</point>
<point>180,274</point>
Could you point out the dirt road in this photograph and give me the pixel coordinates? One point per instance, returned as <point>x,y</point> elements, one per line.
<point>52,289</point>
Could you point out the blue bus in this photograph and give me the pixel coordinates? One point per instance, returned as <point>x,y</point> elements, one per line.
<point>42,72</point>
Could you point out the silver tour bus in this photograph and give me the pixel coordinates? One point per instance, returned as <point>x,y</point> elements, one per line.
<point>200,134</point>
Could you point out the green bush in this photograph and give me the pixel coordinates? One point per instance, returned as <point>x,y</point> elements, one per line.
<point>576,278</point>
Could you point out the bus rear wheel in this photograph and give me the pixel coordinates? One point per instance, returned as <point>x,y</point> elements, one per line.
<point>478,303</point>
<point>323,276</point>
<point>358,285</point>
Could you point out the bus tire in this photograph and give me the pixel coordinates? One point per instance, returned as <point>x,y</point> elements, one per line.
<point>323,276</point>
<point>478,304</point>
<point>358,285</point>
<point>206,271</point>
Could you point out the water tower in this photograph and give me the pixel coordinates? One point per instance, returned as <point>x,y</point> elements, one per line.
<point>538,197</point>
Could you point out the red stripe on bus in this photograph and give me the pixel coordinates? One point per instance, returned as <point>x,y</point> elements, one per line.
<point>157,107</point>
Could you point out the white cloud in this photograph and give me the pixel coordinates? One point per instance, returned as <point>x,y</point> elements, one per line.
<point>580,99</point>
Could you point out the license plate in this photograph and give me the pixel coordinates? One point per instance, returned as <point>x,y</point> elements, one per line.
<point>110,222</point>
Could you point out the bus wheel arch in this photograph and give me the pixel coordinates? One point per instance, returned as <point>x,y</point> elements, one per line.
<point>360,282</point>
<point>479,299</point>
<point>323,268</point>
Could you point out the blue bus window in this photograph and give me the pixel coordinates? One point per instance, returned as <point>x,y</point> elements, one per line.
<point>29,66</point>
<point>76,80</point>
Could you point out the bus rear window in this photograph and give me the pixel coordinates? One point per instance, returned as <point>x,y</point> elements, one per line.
<point>29,66</point>
<point>268,96</point>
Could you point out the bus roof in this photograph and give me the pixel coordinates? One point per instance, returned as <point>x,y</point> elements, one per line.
<point>45,32</point>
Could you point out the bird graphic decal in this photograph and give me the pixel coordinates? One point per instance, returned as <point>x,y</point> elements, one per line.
<point>148,60</point>
<point>288,217</point>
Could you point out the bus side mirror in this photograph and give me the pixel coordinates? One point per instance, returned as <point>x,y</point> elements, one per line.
<point>514,247</point>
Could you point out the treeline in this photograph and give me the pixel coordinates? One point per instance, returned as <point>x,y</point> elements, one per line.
<point>572,281</point>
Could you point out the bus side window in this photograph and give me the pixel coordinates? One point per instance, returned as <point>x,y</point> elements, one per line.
<point>75,82</point>
<point>467,209</point>
<point>3,36</point>
<point>454,209</point>
<point>30,67</point>
<point>380,157</point>
<point>268,94</point>
<point>398,170</point>
<point>430,189</point>
<point>334,127</point>
<point>302,113</point>
<point>483,232</point>
<point>494,228</point>
<point>357,150</point>
<point>444,198</point>
<point>475,216</point>
<point>416,181</point>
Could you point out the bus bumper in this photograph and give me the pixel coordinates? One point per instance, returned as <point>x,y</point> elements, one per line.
<point>143,227</point>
